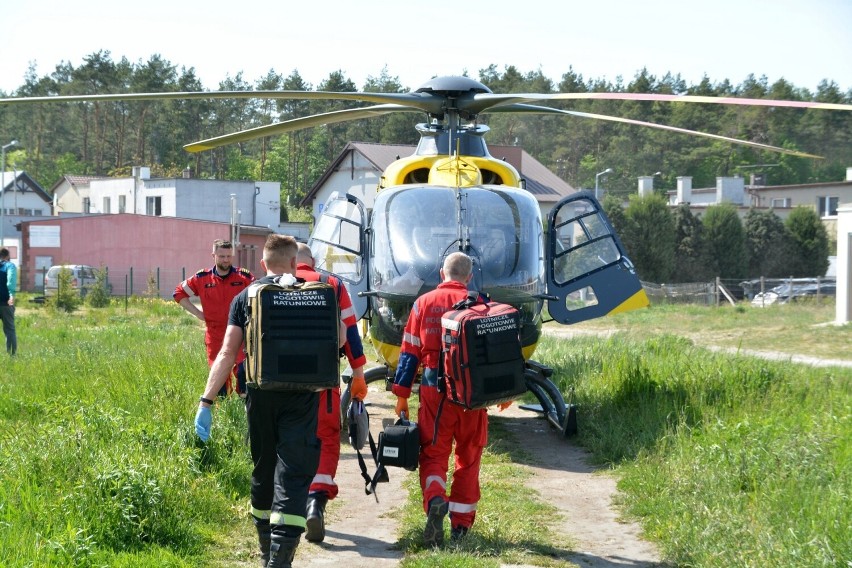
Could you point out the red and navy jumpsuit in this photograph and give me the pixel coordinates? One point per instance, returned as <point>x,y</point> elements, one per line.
<point>328,424</point>
<point>215,293</point>
<point>441,424</point>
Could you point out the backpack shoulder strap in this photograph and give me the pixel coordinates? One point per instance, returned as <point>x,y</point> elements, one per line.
<point>473,298</point>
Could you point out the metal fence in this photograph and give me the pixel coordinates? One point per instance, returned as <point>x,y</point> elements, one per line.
<point>757,291</point>
<point>133,281</point>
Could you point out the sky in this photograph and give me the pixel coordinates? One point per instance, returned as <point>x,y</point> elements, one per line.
<point>801,41</point>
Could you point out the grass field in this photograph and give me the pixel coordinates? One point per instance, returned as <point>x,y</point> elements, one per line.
<point>726,460</point>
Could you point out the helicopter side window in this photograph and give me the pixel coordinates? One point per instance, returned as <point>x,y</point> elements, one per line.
<point>336,242</point>
<point>586,246</point>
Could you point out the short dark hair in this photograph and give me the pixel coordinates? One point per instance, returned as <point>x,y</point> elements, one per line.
<point>4,252</point>
<point>222,243</point>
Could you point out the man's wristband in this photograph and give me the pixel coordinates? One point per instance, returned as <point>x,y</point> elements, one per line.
<point>206,401</point>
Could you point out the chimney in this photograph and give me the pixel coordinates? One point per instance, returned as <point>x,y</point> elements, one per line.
<point>141,172</point>
<point>684,189</point>
<point>730,189</point>
<point>646,185</point>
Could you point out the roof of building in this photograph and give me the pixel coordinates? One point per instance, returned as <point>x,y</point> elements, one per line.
<point>74,180</point>
<point>540,181</point>
<point>22,182</point>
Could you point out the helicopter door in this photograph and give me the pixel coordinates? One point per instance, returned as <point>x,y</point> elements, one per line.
<point>338,244</point>
<point>588,272</point>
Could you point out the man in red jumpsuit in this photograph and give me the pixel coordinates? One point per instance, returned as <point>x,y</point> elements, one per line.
<point>323,488</point>
<point>215,288</point>
<point>439,423</point>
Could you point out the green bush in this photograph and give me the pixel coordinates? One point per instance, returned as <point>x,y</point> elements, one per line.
<point>98,296</point>
<point>67,299</point>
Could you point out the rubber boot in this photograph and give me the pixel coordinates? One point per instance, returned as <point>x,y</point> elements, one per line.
<point>264,539</point>
<point>315,517</point>
<point>282,552</point>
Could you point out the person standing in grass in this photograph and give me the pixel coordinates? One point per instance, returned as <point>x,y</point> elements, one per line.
<point>441,425</point>
<point>215,288</point>
<point>8,281</point>
<point>282,426</point>
<point>323,488</point>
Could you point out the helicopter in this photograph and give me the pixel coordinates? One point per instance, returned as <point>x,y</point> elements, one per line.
<point>453,195</point>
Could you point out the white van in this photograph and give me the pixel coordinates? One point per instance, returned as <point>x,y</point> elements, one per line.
<point>82,278</point>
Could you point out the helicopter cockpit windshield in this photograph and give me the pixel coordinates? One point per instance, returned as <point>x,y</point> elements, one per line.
<point>415,228</point>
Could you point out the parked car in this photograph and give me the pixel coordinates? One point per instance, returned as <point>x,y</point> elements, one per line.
<point>82,278</point>
<point>795,290</point>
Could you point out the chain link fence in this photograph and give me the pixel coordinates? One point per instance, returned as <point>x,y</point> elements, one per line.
<point>758,291</point>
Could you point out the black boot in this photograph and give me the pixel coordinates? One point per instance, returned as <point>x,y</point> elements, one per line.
<point>264,539</point>
<point>315,517</point>
<point>282,551</point>
<point>433,532</point>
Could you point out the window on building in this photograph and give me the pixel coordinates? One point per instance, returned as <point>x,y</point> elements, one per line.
<point>107,203</point>
<point>827,206</point>
<point>87,205</point>
<point>781,202</point>
<point>153,206</point>
<point>122,203</point>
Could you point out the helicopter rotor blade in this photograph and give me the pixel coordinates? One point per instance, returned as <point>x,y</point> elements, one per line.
<point>525,108</point>
<point>333,117</point>
<point>425,102</point>
<point>485,101</point>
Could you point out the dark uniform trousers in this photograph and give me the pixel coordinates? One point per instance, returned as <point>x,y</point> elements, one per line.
<point>285,451</point>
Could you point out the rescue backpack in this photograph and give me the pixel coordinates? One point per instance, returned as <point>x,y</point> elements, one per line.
<point>292,336</point>
<point>481,359</point>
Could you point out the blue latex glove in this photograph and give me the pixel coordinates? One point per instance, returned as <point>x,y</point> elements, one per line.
<point>203,420</point>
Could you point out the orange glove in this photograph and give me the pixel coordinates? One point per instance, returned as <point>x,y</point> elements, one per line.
<point>358,388</point>
<point>504,405</point>
<point>402,406</point>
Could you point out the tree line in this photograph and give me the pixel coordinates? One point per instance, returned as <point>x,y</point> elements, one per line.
<point>675,245</point>
<point>109,137</point>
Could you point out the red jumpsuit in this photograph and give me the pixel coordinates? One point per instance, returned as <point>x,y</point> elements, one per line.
<point>441,422</point>
<point>328,424</point>
<point>215,293</point>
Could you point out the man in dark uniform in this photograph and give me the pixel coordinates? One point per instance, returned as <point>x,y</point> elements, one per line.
<point>282,427</point>
<point>323,487</point>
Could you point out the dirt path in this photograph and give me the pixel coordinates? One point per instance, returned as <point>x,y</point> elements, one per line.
<point>362,533</point>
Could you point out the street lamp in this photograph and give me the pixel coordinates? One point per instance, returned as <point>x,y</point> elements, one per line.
<point>3,188</point>
<point>597,177</point>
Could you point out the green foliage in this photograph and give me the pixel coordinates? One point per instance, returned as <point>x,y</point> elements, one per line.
<point>650,237</point>
<point>108,472</point>
<point>725,240</point>
<point>153,132</point>
<point>691,263</point>
<point>299,214</point>
<point>809,243</point>
<point>613,209</point>
<point>768,245</point>
<point>67,298</point>
<point>99,294</point>
<point>727,460</point>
